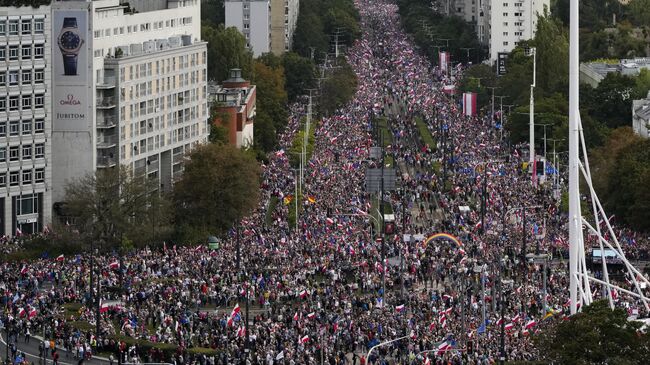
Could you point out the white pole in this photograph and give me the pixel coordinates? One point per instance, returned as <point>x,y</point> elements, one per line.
<point>382,344</point>
<point>531,127</point>
<point>574,192</point>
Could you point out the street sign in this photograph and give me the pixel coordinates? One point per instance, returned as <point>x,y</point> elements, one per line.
<point>502,58</point>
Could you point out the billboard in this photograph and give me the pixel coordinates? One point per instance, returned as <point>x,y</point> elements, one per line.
<point>70,69</point>
<point>502,57</point>
<point>469,104</point>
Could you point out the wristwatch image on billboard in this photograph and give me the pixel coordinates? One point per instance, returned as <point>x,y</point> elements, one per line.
<point>70,43</point>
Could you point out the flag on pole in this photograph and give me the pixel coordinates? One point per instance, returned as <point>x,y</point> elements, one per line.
<point>469,104</point>
<point>509,326</point>
<point>311,315</point>
<point>60,258</point>
<point>304,339</point>
<point>530,324</point>
<point>303,294</point>
<point>295,316</point>
<point>24,270</point>
<point>399,308</point>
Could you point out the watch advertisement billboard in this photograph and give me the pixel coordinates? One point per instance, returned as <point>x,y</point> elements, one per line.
<point>70,59</point>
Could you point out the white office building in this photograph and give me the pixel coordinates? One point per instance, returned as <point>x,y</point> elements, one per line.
<point>25,120</point>
<point>284,18</point>
<point>131,89</point>
<point>502,24</point>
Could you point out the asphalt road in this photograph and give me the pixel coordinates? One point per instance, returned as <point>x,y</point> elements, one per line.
<point>31,351</point>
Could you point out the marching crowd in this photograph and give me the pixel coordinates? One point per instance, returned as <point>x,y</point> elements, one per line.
<point>325,290</point>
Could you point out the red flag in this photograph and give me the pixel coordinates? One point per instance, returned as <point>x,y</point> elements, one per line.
<point>60,258</point>
<point>304,339</point>
<point>114,265</point>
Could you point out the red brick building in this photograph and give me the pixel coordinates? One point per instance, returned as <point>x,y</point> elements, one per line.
<point>236,103</point>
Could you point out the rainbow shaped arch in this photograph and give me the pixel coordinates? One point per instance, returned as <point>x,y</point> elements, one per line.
<point>446,236</point>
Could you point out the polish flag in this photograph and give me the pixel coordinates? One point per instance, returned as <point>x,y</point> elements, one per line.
<point>241,332</point>
<point>446,297</point>
<point>295,316</point>
<point>443,347</point>
<point>114,265</point>
<point>60,258</point>
<point>530,324</point>
<point>304,339</point>
<point>21,312</point>
<point>427,361</point>
<point>413,335</point>
<point>448,310</point>
<point>525,332</point>
<point>23,271</point>
<point>432,326</point>
<point>311,315</point>
<point>500,321</point>
<point>303,294</point>
<point>103,308</point>
<point>517,318</point>
<point>18,232</point>
<point>32,313</point>
<point>335,327</point>
<point>279,153</point>
<point>399,308</point>
<point>329,221</point>
<point>509,326</point>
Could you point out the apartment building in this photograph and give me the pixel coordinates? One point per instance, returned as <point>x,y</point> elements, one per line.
<point>502,24</point>
<point>25,120</point>
<point>137,95</point>
<point>268,25</point>
<point>236,104</point>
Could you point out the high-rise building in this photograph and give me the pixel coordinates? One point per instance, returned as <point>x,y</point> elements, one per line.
<point>25,120</point>
<point>253,19</point>
<point>505,23</point>
<point>284,18</point>
<point>268,25</point>
<point>130,87</point>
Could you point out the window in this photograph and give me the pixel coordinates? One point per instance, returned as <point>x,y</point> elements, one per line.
<point>518,34</point>
<point>13,27</point>
<point>13,53</point>
<point>517,14</point>
<point>13,103</point>
<point>27,102</point>
<point>505,24</point>
<point>505,43</point>
<point>27,76</point>
<point>14,178</point>
<point>3,27</point>
<point>27,152</point>
<point>3,104</point>
<point>39,126</point>
<point>13,77</point>
<point>27,127</point>
<point>518,5</point>
<point>39,150</point>
<point>505,33</point>
<point>505,5</point>
<point>3,180</point>
<point>3,154</point>
<point>39,26</point>
<point>39,51</point>
<point>39,175</point>
<point>39,76</point>
<point>3,128</point>
<point>27,177</point>
<point>39,101</point>
<point>96,34</point>
<point>3,52</point>
<point>518,24</point>
<point>26,26</point>
<point>506,14</point>
<point>14,153</point>
<point>27,203</point>
<point>26,52</point>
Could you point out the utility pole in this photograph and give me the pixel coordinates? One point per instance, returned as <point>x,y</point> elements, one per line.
<point>493,88</point>
<point>381,227</point>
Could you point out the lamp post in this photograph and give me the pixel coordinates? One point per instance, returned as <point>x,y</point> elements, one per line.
<point>382,344</point>
<point>532,52</point>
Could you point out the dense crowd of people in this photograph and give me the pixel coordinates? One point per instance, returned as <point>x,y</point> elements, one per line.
<point>326,290</point>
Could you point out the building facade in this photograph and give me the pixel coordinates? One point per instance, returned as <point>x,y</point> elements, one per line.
<point>253,19</point>
<point>641,116</point>
<point>502,24</point>
<point>236,105</point>
<point>25,120</point>
<point>138,93</point>
<point>284,18</point>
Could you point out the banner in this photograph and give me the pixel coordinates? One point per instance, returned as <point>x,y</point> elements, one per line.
<point>444,61</point>
<point>469,104</point>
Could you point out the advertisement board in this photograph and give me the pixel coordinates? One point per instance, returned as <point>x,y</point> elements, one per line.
<point>70,76</point>
<point>502,58</point>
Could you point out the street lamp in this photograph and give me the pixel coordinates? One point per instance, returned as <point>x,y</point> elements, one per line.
<point>531,148</point>
<point>382,344</point>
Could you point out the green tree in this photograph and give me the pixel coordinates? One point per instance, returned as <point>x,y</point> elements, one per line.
<point>639,11</point>
<point>597,335</point>
<point>642,84</point>
<point>212,12</point>
<point>226,50</point>
<point>612,103</point>
<point>299,75</point>
<point>552,44</point>
<point>219,186</point>
<point>265,133</point>
<point>603,159</point>
<point>310,32</point>
<point>271,93</point>
<point>112,203</point>
<point>338,88</point>
<point>477,79</point>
